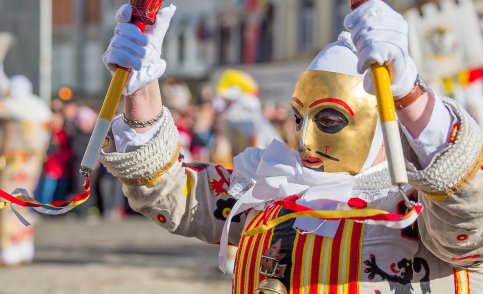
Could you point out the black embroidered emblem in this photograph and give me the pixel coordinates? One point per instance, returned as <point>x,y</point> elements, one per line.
<point>401,282</point>
<point>223,209</point>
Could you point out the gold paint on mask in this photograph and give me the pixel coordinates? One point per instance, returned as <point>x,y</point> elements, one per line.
<point>345,150</point>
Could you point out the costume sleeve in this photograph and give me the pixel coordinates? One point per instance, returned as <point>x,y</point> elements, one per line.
<point>186,199</point>
<point>451,191</point>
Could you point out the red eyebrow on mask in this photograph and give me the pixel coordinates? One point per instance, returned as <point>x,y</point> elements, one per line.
<point>297,101</point>
<point>332,100</point>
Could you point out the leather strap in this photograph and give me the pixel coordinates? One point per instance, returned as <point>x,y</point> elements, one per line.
<point>410,98</point>
<point>270,264</point>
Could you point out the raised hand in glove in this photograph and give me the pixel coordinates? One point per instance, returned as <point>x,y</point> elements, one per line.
<point>380,36</point>
<point>130,48</point>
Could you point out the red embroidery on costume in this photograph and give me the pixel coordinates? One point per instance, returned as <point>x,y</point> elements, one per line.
<point>466,257</point>
<point>219,187</point>
<point>393,268</point>
<point>357,203</point>
<point>161,218</point>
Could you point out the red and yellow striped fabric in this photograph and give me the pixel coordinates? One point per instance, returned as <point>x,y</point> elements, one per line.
<point>247,272</point>
<point>317,264</point>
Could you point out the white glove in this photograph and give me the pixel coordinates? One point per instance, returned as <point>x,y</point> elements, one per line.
<point>380,36</point>
<point>142,52</point>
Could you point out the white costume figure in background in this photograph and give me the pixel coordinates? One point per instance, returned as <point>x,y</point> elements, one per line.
<point>25,135</point>
<point>338,169</point>
<point>23,104</point>
<point>244,124</point>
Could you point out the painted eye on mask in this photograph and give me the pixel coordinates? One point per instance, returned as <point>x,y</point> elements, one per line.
<point>330,121</point>
<point>299,121</point>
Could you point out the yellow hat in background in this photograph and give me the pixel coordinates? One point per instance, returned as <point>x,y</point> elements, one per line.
<point>234,82</point>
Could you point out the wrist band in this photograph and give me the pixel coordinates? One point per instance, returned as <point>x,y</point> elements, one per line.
<point>417,91</point>
<point>142,124</point>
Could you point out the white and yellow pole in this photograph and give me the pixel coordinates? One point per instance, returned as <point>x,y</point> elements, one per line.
<point>389,124</point>
<point>106,115</point>
<point>144,13</point>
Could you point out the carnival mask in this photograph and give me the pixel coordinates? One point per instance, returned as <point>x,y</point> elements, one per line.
<point>336,121</point>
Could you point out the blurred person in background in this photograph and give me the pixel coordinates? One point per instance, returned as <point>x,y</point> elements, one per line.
<point>179,98</point>
<point>56,174</point>
<point>24,120</point>
<point>85,121</point>
<point>111,200</point>
<point>70,111</point>
<point>243,121</point>
<point>57,105</point>
<point>203,126</point>
<point>284,124</point>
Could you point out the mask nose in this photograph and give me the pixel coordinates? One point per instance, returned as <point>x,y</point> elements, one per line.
<point>304,129</point>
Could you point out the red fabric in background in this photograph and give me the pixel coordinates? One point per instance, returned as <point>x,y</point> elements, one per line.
<point>58,163</point>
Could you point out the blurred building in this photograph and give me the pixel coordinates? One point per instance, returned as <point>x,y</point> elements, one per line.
<point>264,37</point>
<point>271,39</point>
<point>21,18</point>
<point>81,32</point>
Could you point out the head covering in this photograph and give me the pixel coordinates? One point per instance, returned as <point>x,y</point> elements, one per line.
<point>340,58</point>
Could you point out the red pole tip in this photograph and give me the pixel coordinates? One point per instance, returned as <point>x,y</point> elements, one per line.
<point>145,10</point>
<point>356,3</point>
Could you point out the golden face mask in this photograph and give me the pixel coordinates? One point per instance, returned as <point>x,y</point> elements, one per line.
<point>336,121</point>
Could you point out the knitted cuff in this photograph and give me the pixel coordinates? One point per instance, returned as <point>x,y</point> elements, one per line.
<point>456,165</point>
<point>148,163</point>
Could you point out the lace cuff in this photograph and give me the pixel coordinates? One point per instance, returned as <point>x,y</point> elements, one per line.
<point>148,163</point>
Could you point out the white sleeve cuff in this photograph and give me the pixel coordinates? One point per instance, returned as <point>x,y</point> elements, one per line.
<point>434,138</point>
<point>127,139</point>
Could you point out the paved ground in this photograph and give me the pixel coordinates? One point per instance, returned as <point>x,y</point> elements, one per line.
<point>133,256</point>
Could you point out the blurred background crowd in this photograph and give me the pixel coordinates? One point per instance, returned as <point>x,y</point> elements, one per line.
<point>257,47</point>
